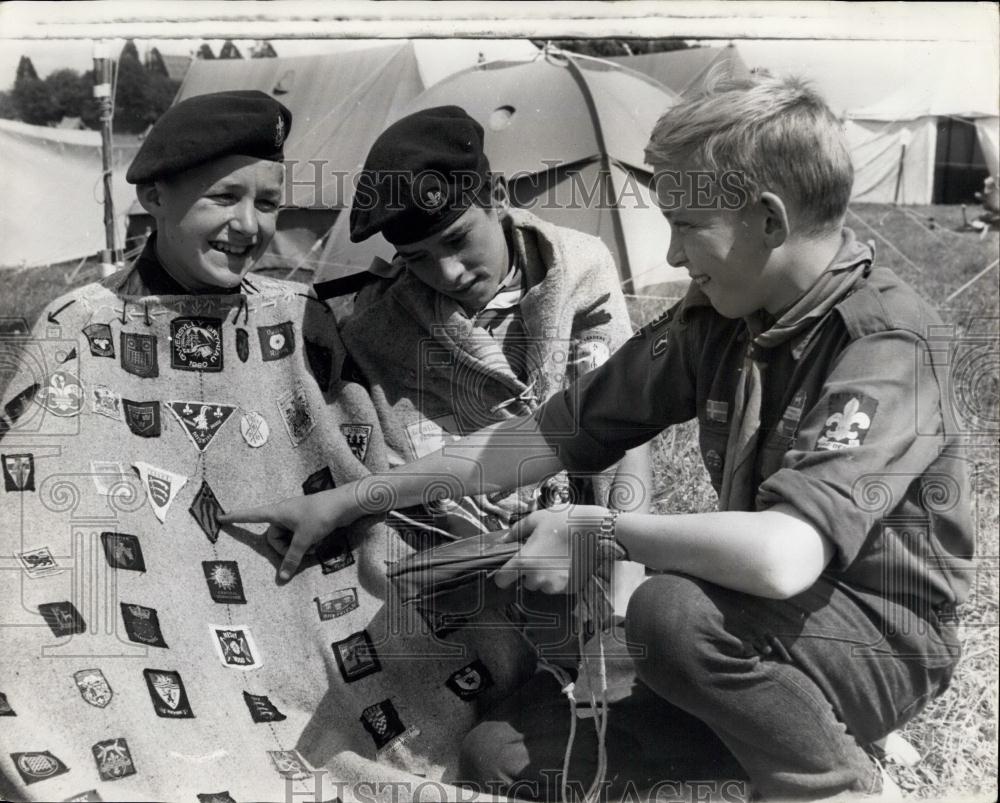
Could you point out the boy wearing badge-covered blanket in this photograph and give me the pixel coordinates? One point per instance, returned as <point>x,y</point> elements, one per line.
<point>145,658</point>
<point>815,612</point>
<point>485,312</point>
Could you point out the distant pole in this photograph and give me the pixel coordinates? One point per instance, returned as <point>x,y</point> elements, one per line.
<point>111,256</point>
<point>904,138</point>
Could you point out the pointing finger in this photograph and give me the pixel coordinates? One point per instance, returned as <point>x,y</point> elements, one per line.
<point>265,514</point>
<point>293,557</point>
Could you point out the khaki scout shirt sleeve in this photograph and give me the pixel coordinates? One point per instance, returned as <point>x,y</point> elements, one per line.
<point>875,428</point>
<point>646,386</point>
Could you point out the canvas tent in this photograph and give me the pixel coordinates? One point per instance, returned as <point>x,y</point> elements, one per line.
<point>929,141</point>
<point>51,185</point>
<point>563,129</point>
<point>686,70</point>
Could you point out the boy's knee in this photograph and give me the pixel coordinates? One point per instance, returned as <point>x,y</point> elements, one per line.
<point>668,625</point>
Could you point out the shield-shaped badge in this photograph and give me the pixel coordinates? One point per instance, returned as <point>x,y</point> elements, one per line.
<point>102,342</point>
<point>382,722</point>
<point>166,690</point>
<point>471,680</point>
<point>94,687</point>
<point>139,354</point>
<point>142,625</point>
<point>143,418</point>
<point>113,759</point>
<point>357,436</point>
<point>18,472</point>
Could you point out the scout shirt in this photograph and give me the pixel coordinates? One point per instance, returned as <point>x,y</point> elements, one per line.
<point>853,432</point>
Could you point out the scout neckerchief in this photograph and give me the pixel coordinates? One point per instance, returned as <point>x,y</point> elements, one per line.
<point>849,266</point>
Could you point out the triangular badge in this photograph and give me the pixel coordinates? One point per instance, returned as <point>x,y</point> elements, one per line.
<point>161,487</point>
<point>201,420</point>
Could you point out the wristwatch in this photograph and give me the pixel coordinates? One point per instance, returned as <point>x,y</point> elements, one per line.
<point>607,541</point>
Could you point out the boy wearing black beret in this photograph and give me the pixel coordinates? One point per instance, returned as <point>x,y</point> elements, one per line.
<point>210,174</point>
<point>485,313</point>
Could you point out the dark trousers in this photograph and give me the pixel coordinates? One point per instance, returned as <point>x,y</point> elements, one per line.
<point>793,690</point>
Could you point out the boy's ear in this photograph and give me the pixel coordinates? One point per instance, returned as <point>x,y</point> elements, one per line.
<point>149,197</point>
<point>775,218</point>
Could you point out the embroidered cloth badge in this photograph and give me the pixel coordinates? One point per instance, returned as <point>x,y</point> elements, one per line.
<point>106,402</point>
<point>848,423</point>
<point>102,342</point>
<point>215,797</point>
<point>295,412</point>
<point>62,618</point>
<point>717,411</point>
<point>142,625</point>
<point>356,656</point>
<point>357,436</point>
<point>276,341</point>
<point>35,767</point>
<point>62,394</point>
<point>319,480</point>
<point>290,764</point>
<point>90,796</point>
<point>469,681</point>
<point>242,344</point>
<point>143,418</point>
<point>196,344</point>
<point>337,603</point>
<point>224,583</point>
<point>235,647</point>
<point>333,553</point>
<point>113,759</point>
<point>166,690</point>
<point>38,562</point>
<point>18,472</point>
<point>94,687</point>
<point>382,722</point>
<point>123,551</point>
<point>254,429</point>
<point>161,487</point>
<point>109,477</point>
<point>15,407</point>
<point>5,709</point>
<point>206,511</point>
<point>261,708</point>
<point>139,354</point>
<point>201,420</point>
<point>659,344</point>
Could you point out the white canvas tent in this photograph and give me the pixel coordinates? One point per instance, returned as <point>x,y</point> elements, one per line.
<point>894,142</point>
<point>51,185</point>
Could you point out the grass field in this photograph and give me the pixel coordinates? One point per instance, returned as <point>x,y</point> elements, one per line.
<point>957,734</point>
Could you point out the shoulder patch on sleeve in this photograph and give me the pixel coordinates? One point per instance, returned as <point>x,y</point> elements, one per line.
<point>848,423</point>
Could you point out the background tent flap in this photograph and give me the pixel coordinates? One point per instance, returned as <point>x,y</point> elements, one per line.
<point>52,175</point>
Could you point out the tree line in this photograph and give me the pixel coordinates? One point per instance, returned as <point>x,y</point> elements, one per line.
<point>143,91</point>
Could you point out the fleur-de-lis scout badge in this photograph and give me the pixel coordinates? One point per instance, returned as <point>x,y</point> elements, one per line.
<point>848,423</point>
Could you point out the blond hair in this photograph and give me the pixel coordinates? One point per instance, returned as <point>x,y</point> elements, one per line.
<point>776,133</point>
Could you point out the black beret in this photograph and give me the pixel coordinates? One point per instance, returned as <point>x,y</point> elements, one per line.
<point>207,127</point>
<point>420,176</point>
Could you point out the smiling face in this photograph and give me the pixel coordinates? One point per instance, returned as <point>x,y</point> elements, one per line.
<point>466,261</point>
<point>723,250</point>
<point>214,222</point>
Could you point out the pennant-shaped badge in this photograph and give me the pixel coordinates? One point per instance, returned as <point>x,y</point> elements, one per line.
<point>161,487</point>
<point>201,420</point>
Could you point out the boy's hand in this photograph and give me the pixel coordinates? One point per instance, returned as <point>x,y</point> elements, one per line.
<point>304,519</point>
<point>560,549</point>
